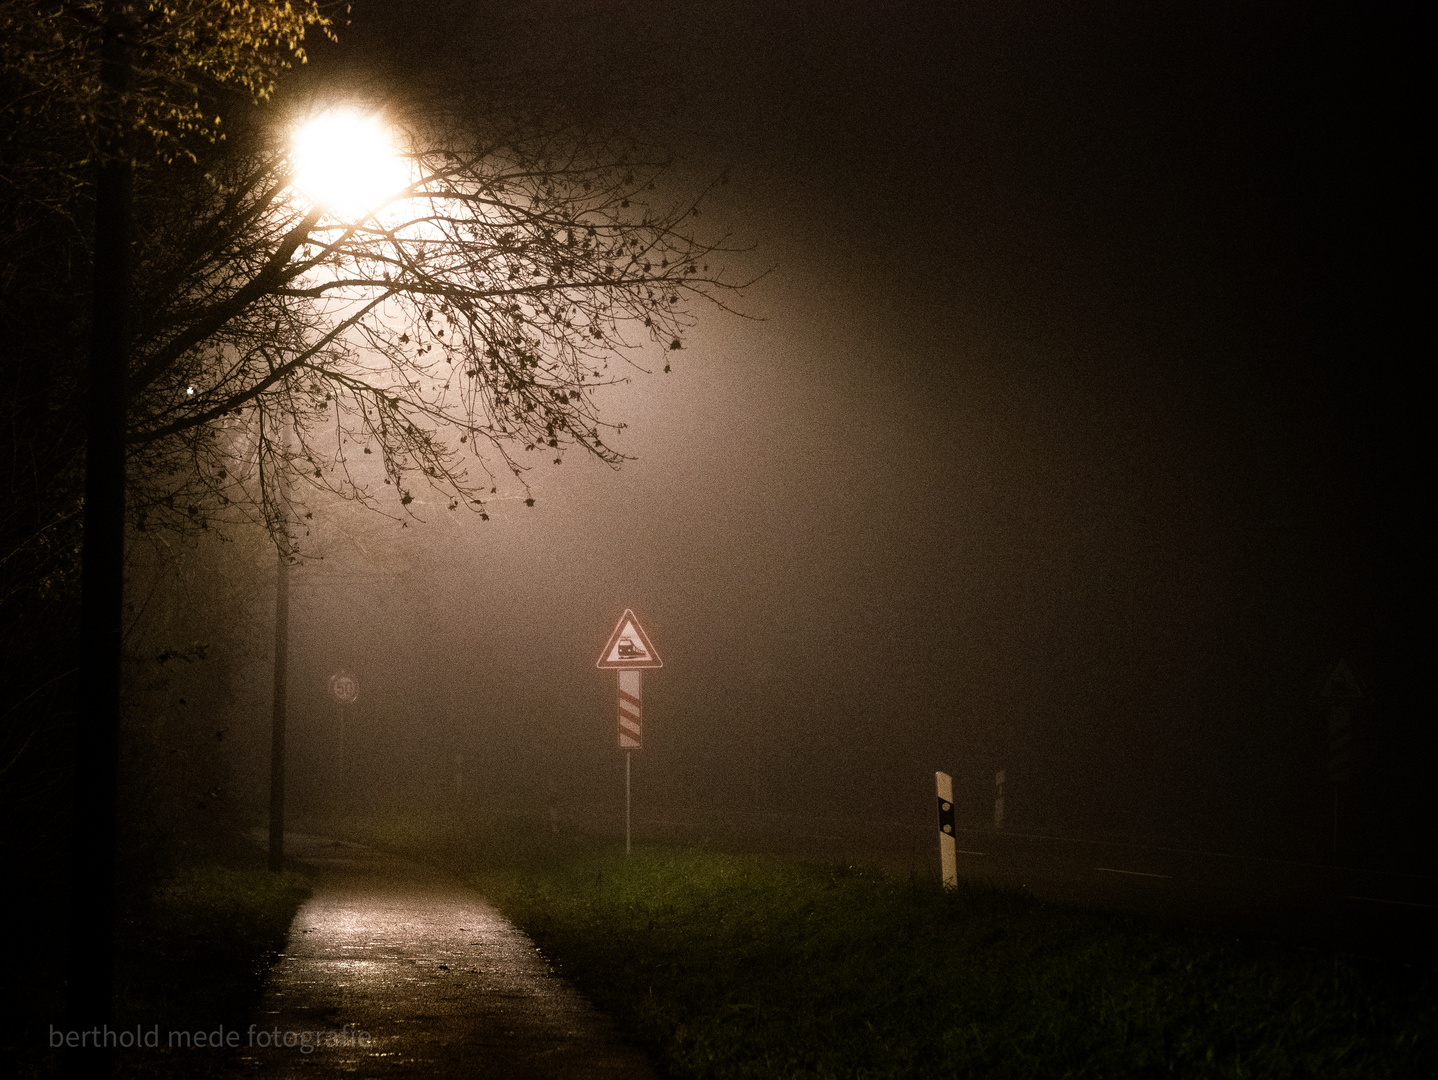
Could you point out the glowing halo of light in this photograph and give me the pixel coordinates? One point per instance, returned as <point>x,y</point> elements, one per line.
<point>346,160</point>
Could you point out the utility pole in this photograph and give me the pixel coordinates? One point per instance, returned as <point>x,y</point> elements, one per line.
<point>97,729</point>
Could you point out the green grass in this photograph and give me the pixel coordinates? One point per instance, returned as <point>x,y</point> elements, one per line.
<point>730,966</point>
<point>193,952</point>
<point>198,951</point>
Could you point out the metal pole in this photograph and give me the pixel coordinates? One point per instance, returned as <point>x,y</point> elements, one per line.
<point>344,766</point>
<point>279,714</point>
<point>626,802</point>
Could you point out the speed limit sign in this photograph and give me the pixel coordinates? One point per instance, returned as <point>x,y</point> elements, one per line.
<point>344,686</point>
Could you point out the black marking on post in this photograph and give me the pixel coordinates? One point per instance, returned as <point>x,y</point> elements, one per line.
<point>946,817</point>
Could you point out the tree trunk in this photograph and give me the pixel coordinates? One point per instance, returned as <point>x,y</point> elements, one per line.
<point>92,932</point>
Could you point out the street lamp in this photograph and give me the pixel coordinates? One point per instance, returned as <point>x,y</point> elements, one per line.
<point>346,161</point>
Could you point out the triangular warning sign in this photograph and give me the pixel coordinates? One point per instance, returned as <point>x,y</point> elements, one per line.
<point>1342,684</point>
<point>628,646</point>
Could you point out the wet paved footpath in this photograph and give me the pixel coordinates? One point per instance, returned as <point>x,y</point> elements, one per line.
<point>432,981</point>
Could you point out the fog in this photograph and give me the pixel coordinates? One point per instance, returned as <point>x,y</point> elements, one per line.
<point>1036,450</point>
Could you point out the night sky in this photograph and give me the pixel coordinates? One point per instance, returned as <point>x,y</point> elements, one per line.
<point>1074,433</point>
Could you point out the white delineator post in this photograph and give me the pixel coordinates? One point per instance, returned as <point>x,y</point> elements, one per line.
<point>947,859</point>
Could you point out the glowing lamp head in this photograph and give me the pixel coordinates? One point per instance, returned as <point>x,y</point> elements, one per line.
<point>346,161</point>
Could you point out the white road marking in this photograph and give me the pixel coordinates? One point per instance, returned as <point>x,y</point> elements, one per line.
<point>1400,903</point>
<point>1133,873</point>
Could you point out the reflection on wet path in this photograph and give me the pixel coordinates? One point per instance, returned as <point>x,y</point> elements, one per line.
<point>394,969</point>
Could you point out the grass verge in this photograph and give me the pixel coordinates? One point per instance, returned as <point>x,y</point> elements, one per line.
<point>730,966</point>
<point>194,957</point>
<point>193,951</point>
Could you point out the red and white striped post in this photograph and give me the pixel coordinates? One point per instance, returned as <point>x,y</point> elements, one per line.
<point>629,651</point>
<point>631,720</point>
<point>631,732</point>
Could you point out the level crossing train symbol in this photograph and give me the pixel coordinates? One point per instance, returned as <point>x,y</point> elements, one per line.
<point>629,646</point>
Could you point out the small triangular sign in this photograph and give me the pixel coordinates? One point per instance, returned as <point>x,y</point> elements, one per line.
<point>628,646</point>
<point>1342,684</point>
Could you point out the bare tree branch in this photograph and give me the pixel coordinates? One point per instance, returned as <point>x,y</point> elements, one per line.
<point>475,311</point>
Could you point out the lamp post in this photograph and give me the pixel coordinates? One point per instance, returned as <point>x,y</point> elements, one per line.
<point>278,715</point>
<point>344,160</point>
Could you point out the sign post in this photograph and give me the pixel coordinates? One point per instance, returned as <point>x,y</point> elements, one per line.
<point>344,687</point>
<point>628,651</point>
